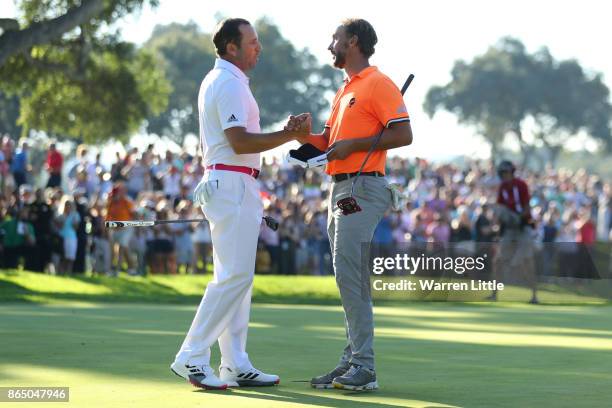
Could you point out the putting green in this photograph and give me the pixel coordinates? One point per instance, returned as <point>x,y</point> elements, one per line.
<point>434,354</point>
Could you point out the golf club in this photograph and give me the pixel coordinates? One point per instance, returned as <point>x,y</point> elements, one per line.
<point>270,222</point>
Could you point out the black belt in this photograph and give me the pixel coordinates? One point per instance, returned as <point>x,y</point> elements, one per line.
<point>345,176</point>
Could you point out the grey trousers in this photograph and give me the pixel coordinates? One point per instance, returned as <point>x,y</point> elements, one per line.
<point>350,237</point>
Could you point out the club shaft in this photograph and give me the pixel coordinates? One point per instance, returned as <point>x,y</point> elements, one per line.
<point>270,222</point>
<point>159,222</point>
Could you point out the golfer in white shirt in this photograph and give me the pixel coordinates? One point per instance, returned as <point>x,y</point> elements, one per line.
<point>229,197</point>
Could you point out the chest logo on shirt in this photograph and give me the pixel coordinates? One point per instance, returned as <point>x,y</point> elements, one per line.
<point>352,102</point>
<point>232,119</point>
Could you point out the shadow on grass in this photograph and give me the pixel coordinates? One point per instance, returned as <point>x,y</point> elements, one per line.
<point>141,343</point>
<point>357,399</point>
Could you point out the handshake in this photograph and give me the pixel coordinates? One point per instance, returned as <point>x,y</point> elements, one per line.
<point>307,155</point>
<point>300,125</point>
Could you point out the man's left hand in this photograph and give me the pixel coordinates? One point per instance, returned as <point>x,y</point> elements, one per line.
<point>340,150</point>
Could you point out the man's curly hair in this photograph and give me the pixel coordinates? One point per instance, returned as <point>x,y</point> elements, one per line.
<point>366,36</point>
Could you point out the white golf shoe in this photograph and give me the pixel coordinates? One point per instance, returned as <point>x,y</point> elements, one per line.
<point>201,376</point>
<point>250,377</point>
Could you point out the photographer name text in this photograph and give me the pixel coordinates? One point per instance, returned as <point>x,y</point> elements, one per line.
<point>433,285</point>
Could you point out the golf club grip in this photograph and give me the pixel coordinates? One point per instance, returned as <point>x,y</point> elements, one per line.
<point>407,83</point>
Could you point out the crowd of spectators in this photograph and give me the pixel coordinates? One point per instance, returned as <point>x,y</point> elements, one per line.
<point>57,225</point>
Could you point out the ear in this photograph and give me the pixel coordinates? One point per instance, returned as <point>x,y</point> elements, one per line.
<point>353,40</point>
<point>232,49</point>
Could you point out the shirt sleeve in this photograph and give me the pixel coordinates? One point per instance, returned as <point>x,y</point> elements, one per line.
<point>524,194</point>
<point>388,104</point>
<point>232,106</point>
<point>500,199</point>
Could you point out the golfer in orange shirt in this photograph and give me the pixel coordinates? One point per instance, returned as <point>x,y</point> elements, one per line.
<point>365,104</point>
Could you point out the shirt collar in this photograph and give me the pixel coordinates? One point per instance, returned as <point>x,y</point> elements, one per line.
<point>220,63</point>
<point>362,74</point>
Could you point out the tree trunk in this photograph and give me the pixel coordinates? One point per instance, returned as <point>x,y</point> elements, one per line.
<point>554,155</point>
<point>554,150</point>
<point>494,150</point>
<point>526,150</point>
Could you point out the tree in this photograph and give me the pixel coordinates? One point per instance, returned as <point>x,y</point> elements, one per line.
<point>187,54</point>
<point>285,80</point>
<point>507,91</point>
<point>72,73</point>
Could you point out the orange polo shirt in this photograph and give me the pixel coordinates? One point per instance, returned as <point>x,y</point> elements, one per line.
<point>119,210</point>
<point>365,104</point>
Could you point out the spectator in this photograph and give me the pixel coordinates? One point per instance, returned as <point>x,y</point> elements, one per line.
<point>161,249</point>
<point>18,238</point>
<point>41,217</point>
<point>202,247</point>
<point>182,237</point>
<point>461,233</point>
<point>438,231</point>
<point>172,182</point>
<point>120,207</point>
<point>68,222</point>
<point>101,248</point>
<point>138,177</point>
<point>82,208</point>
<point>54,164</point>
<point>19,165</point>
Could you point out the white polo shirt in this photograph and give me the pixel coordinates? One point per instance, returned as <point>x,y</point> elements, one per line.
<point>225,101</point>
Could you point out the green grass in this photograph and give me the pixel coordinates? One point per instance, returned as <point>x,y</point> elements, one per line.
<point>428,354</point>
<point>21,286</point>
<point>24,286</point>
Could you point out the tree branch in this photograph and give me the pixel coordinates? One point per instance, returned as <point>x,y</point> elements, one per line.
<point>9,24</point>
<point>15,41</point>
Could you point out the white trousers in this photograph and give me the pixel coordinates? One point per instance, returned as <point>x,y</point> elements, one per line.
<point>234,211</point>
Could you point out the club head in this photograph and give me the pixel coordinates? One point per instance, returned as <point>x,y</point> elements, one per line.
<point>348,205</point>
<point>271,222</point>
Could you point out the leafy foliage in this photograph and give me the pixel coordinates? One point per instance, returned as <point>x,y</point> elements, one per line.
<point>86,84</point>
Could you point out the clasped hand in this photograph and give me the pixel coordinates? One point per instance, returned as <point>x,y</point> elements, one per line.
<point>301,125</point>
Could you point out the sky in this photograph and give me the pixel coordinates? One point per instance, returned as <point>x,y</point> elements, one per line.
<point>420,37</point>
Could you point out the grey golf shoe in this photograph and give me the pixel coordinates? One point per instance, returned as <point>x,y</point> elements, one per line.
<point>357,378</point>
<point>325,381</point>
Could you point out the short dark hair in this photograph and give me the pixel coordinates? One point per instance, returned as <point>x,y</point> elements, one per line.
<point>366,36</point>
<point>228,31</point>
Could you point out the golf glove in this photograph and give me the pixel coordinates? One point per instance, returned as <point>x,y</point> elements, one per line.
<point>204,191</point>
<point>396,197</point>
